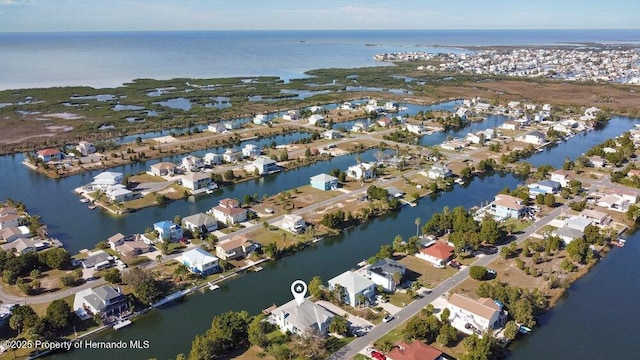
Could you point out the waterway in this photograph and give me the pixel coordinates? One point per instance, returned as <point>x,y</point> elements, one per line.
<point>172,329</point>
<point>582,142</point>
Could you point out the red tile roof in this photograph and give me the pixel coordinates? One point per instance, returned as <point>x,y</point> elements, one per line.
<point>417,350</point>
<point>439,250</point>
<point>48,152</point>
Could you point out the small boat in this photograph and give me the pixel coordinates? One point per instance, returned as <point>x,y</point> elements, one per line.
<point>213,287</point>
<point>524,330</point>
<point>84,200</point>
<point>269,210</point>
<point>459,181</point>
<point>257,268</point>
<point>120,324</point>
<point>91,207</point>
<point>619,242</point>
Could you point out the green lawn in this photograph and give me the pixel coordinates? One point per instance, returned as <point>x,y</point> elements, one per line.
<point>400,299</point>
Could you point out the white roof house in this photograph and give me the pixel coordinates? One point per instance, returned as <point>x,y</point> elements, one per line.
<point>119,193</point>
<point>354,284</point>
<point>200,262</point>
<point>316,119</point>
<point>196,181</point>
<point>293,223</point>
<point>294,318</point>
<point>106,179</point>
<point>468,314</point>
<point>251,150</point>
<point>231,155</point>
<point>439,171</point>
<point>265,165</point>
<point>362,171</point>
<point>534,137</point>
<point>200,221</point>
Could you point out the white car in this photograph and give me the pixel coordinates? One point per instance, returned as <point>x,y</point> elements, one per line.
<point>387,318</point>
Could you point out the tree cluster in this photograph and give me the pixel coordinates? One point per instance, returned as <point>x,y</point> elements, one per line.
<point>523,304</point>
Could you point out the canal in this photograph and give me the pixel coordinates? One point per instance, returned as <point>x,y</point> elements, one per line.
<point>171,330</point>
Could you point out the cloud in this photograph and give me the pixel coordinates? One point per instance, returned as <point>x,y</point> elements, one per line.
<point>15,2</point>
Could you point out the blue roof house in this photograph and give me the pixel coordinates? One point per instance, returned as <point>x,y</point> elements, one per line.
<point>168,231</point>
<point>324,182</point>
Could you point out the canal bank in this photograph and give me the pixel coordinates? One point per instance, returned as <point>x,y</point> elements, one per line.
<point>171,330</point>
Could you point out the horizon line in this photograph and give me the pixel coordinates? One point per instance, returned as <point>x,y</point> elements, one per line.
<point>313,30</point>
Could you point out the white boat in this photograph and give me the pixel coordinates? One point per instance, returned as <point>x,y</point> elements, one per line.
<point>120,324</point>
<point>84,200</point>
<point>459,181</point>
<point>213,287</point>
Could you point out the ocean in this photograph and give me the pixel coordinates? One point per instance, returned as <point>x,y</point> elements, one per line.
<point>108,59</point>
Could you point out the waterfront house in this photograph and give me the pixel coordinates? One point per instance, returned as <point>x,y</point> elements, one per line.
<point>192,163</point>
<point>391,106</point>
<point>229,212</point>
<point>362,171</point>
<point>163,168</point>
<point>47,155</point>
<point>107,179</point>
<point>534,137</point>
<point>626,194</point>
<point>469,315</point>
<point>543,187</point>
<point>85,148</point>
<point>439,171</point>
<point>265,165</point>
<point>196,181</point>
<point>217,128</point>
<point>200,262</point>
<point>506,206</point>
<point>95,259</point>
<point>418,129</point>
<point>9,234</point>
<point>168,231</point>
<point>261,119</point>
<point>510,125</point>
<point>115,241</point>
<point>614,202</point>
<point>103,301</point>
<point>201,222</point>
<point>324,182</point>
<point>8,220</point>
<point>359,127</point>
<point>331,134</point>
<point>417,350</point>
<point>598,217</point>
<point>251,151</point>
<point>567,234</point>
<point>578,222</point>
<point>291,115</point>
<point>316,120</point>
<point>231,155</point>
<point>386,273</point>
<point>438,253</point>
<point>347,106</point>
<point>119,193</point>
<point>561,176</point>
<point>131,248</point>
<point>597,161</point>
<point>237,247</point>
<point>293,223</point>
<point>316,109</point>
<point>211,159</point>
<point>296,319</point>
<point>22,246</point>
<point>385,122</point>
<point>357,288</point>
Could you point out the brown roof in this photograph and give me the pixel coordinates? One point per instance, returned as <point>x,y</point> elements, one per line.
<point>229,203</point>
<point>49,152</point>
<point>115,238</point>
<point>235,242</point>
<point>483,307</point>
<point>164,165</point>
<point>508,201</point>
<point>417,350</point>
<point>230,211</point>
<point>562,172</point>
<point>133,246</point>
<point>7,210</point>
<point>9,217</point>
<point>439,250</point>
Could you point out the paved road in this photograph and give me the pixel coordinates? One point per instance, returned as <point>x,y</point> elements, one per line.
<point>444,287</point>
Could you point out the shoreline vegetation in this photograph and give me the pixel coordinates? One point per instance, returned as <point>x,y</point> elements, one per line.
<point>529,253</point>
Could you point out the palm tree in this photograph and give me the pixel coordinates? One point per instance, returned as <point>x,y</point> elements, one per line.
<point>417,222</point>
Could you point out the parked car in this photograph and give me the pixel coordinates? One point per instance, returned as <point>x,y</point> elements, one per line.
<point>455,264</point>
<point>378,355</point>
<point>387,318</point>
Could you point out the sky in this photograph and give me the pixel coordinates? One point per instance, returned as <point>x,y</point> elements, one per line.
<point>143,15</point>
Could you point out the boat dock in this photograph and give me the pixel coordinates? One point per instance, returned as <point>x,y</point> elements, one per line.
<point>119,325</point>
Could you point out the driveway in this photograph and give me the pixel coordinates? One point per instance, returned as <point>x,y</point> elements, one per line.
<point>356,322</point>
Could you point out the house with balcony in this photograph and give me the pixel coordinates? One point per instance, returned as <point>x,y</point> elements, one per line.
<point>200,262</point>
<point>47,155</point>
<point>201,222</point>
<point>231,155</point>
<point>324,182</point>
<point>543,187</point>
<point>506,206</point>
<point>316,120</point>
<point>362,171</point>
<point>105,180</point>
<point>265,165</point>
<point>211,159</point>
<point>85,148</point>
<point>196,181</point>
<point>235,248</point>
<point>192,163</point>
<point>561,176</point>
<point>357,288</point>
<point>168,231</point>
<point>297,318</point>
<point>229,212</point>
<point>103,301</point>
<point>251,151</point>
<point>470,315</point>
<point>387,273</point>
<point>293,223</point>
<point>439,171</point>
<point>164,168</point>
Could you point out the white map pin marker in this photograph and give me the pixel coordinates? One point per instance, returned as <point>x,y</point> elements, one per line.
<point>299,290</point>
